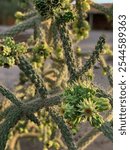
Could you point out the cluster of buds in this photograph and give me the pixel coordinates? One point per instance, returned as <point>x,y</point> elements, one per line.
<point>9,50</point>
<point>85,5</point>
<point>40,52</point>
<point>47,7</point>
<point>42,49</point>
<point>81,27</point>
<point>81,104</point>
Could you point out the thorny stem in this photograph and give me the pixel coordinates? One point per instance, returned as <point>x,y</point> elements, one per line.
<point>8,94</point>
<point>34,105</point>
<point>11,120</point>
<point>107,69</point>
<point>27,24</point>
<point>69,56</point>
<point>32,75</point>
<point>107,11</point>
<point>18,103</point>
<point>102,93</point>
<point>95,55</point>
<point>64,130</point>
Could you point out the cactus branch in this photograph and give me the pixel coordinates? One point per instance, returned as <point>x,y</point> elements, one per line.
<point>8,94</point>
<point>69,56</point>
<point>27,24</point>
<point>32,75</point>
<point>93,57</point>
<point>107,69</point>
<point>64,130</point>
<point>11,120</point>
<point>107,11</point>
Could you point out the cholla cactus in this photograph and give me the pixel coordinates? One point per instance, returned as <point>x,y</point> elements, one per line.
<point>82,103</point>
<point>61,91</point>
<point>10,50</point>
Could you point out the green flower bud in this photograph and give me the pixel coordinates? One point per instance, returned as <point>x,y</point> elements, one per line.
<point>21,48</point>
<point>41,50</point>
<point>84,26</point>
<point>50,144</point>
<point>107,50</point>
<point>102,104</point>
<point>5,50</point>
<point>59,53</point>
<point>8,41</point>
<point>19,15</point>
<point>104,72</point>
<point>56,145</point>
<point>40,138</point>
<point>9,61</point>
<point>87,107</point>
<point>49,132</point>
<point>78,50</point>
<point>85,6</point>
<point>69,112</point>
<point>81,29</point>
<point>96,120</point>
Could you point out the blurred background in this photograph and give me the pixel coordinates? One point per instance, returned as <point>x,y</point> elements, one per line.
<point>8,8</point>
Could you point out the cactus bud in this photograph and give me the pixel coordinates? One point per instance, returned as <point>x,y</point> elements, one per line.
<point>102,104</point>
<point>96,120</point>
